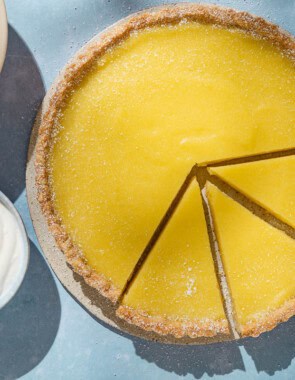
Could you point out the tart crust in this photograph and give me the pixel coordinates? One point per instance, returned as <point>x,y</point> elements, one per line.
<point>178,328</point>
<point>269,320</point>
<point>53,103</point>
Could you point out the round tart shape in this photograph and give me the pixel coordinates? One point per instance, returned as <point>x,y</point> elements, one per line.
<point>128,119</point>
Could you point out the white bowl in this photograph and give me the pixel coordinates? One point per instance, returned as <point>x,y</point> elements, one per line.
<point>3,32</point>
<point>25,252</point>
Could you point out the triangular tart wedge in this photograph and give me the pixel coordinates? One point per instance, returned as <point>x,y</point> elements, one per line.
<point>270,183</point>
<point>259,262</point>
<point>176,291</point>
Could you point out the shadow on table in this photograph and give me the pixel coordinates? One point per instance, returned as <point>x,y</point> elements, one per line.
<point>213,359</point>
<point>21,93</point>
<point>29,323</point>
<point>273,351</point>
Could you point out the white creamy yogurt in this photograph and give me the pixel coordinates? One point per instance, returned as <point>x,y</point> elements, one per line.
<point>12,253</point>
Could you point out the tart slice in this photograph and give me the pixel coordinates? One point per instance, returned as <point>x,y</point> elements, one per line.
<point>259,263</point>
<point>176,290</point>
<point>270,183</point>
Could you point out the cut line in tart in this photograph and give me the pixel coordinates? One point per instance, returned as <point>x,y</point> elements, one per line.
<point>133,113</point>
<point>176,290</point>
<point>259,262</point>
<point>277,175</point>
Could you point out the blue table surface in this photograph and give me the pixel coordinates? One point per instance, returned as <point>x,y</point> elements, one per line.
<point>44,332</point>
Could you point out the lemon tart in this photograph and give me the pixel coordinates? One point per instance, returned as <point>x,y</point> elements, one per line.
<point>126,122</point>
<point>259,263</point>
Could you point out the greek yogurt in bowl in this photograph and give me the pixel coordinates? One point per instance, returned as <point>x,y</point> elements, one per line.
<point>14,250</point>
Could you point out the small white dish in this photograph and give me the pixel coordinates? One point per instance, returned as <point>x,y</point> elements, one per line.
<point>3,33</point>
<point>24,256</point>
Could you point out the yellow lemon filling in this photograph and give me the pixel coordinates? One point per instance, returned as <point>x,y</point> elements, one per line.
<point>259,260</point>
<point>270,183</point>
<point>178,280</point>
<point>150,108</point>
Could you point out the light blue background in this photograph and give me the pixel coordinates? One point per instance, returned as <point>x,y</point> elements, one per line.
<point>44,332</point>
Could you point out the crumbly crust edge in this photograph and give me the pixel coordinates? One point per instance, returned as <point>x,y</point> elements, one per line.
<point>268,321</point>
<point>205,328</point>
<point>178,328</point>
<point>54,101</point>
